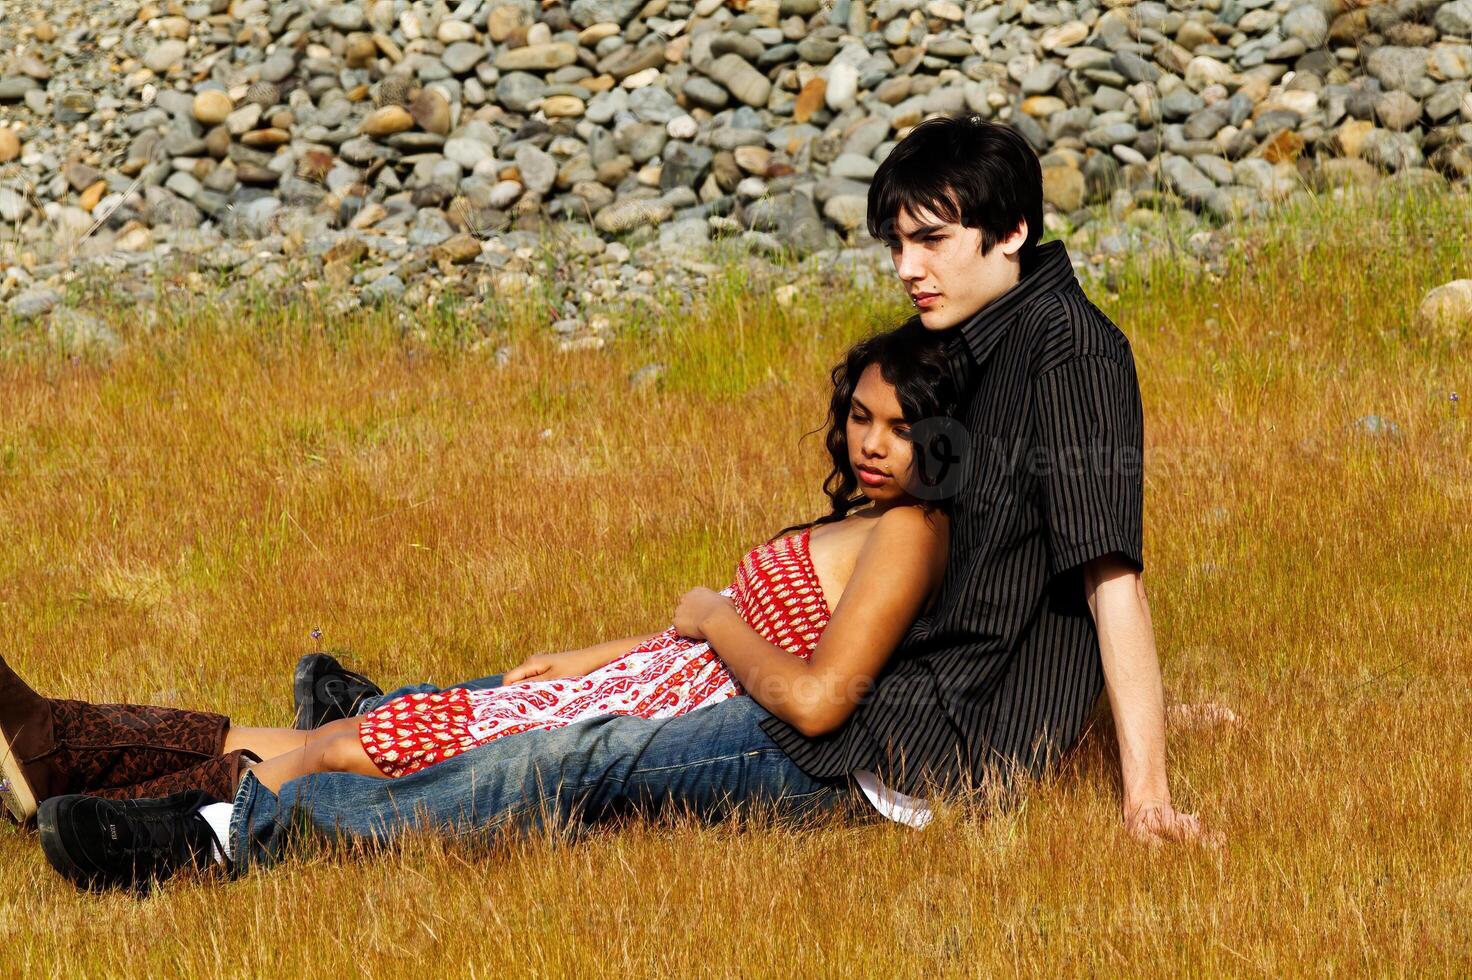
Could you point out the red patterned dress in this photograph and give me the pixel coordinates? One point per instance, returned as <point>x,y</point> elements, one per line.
<point>776,592</point>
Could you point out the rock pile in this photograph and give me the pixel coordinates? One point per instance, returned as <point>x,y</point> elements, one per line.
<point>417,131</point>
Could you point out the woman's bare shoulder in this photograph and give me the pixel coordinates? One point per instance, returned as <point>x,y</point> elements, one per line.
<point>909,530</point>
<point>927,525</point>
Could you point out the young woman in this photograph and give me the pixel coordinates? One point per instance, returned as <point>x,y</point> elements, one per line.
<point>787,595</point>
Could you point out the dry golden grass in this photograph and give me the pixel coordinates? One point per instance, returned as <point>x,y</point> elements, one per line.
<point>178,519</point>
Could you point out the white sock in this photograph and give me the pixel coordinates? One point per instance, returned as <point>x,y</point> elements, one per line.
<point>217,815</point>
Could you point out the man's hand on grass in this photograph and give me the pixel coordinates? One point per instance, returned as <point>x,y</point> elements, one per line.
<point>1160,823</point>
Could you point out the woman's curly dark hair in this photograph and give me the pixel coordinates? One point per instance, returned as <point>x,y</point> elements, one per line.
<point>913,360</point>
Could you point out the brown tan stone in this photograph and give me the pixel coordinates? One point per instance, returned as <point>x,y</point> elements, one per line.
<point>507,18</point>
<point>1043,106</point>
<point>347,250</point>
<point>431,111</point>
<point>753,159</point>
<point>1063,187</point>
<point>372,214</point>
<point>314,164</point>
<point>589,36</point>
<point>1284,145</point>
<point>267,138</point>
<point>89,197</point>
<point>537,57</point>
<point>359,50</point>
<point>212,106</point>
<point>810,99</point>
<point>1351,136</point>
<point>133,237</point>
<point>456,250</point>
<point>386,121</point>
<point>562,106</point>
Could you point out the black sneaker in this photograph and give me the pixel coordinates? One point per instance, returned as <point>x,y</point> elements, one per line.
<point>324,691</point>
<point>99,844</point>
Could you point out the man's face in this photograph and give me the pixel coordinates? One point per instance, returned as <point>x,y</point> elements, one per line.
<point>941,267</point>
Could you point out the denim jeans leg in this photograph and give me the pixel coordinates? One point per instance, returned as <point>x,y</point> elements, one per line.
<point>479,684</point>
<point>708,763</point>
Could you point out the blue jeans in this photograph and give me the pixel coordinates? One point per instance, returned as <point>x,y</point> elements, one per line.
<point>481,684</point>
<point>709,762</point>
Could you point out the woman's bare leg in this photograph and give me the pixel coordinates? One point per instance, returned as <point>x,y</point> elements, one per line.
<point>264,742</point>
<point>333,748</point>
<point>268,743</point>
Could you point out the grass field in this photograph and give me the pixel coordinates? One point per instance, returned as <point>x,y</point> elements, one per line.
<point>177,519</point>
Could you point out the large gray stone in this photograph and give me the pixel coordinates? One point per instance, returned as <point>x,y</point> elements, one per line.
<point>345,17</point>
<point>1042,79</point>
<point>13,205</point>
<point>654,103</point>
<point>684,165</point>
<point>538,169</point>
<point>462,56</point>
<point>1455,18</point>
<point>1448,306</point>
<point>517,90</point>
<point>1391,151</point>
<point>706,93</point>
<point>165,55</point>
<point>586,13</point>
<point>1398,111</point>
<point>853,166</point>
<point>1397,68</point>
<point>14,89</point>
<point>1114,134</point>
<point>1307,23</point>
<point>792,217</point>
<point>1134,68</point>
<point>1186,180</point>
<point>641,141</point>
<point>430,228</point>
<point>75,332</point>
<point>467,151</point>
<point>847,211</point>
<point>628,214</point>
<point>33,302</point>
<point>740,79</point>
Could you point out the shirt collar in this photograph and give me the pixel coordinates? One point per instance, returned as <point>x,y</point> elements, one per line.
<point>1051,269</point>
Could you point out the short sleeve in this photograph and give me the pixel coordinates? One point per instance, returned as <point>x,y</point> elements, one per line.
<point>1089,458</point>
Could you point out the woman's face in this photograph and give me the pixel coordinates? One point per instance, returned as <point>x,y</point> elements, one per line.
<point>879,451</point>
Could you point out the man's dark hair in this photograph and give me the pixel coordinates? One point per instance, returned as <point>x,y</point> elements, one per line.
<point>962,169</point>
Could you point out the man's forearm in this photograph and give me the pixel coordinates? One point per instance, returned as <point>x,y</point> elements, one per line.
<point>1132,680</point>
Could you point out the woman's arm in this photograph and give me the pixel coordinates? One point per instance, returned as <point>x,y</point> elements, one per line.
<point>572,663</point>
<point>899,566</point>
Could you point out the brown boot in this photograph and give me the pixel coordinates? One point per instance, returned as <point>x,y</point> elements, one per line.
<point>219,777</point>
<point>106,746</point>
<point>50,747</point>
<point>27,747</point>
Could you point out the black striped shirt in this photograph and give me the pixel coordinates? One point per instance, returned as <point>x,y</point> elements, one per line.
<point>1004,669</point>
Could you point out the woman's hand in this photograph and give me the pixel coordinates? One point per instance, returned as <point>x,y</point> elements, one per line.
<point>545,667</point>
<point>695,609</point>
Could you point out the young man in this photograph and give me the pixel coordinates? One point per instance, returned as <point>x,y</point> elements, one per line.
<point>1041,607</point>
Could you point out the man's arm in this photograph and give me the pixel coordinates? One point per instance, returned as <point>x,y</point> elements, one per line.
<point>1116,597</point>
